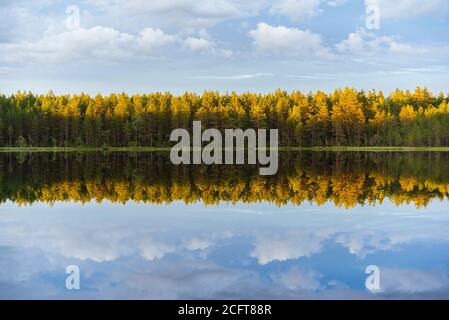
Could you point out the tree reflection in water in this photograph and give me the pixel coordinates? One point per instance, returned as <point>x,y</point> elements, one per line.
<point>344,178</point>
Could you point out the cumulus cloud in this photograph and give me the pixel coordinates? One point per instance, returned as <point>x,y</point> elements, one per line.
<point>87,242</point>
<point>286,246</point>
<point>181,13</point>
<point>197,44</point>
<point>363,244</point>
<point>151,250</point>
<point>298,278</point>
<point>101,43</point>
<point>204,46</point>
<point>19,23</point>
<point>55,239</point>
<point>296,9</point>
<point>288,41</point>
<point>408,8</point>
<point>362,42</point>
<point>411,281</point>
<point>30,35</point>
<point>220,8</point>
<point>83,44</point>
<point>151,39</point>
<point>198,243</point>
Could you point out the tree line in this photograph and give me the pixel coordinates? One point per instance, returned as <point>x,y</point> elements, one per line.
<point>345,117</point>
<point>345,179</point>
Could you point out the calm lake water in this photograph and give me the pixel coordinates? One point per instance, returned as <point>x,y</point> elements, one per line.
<point>138,227</point>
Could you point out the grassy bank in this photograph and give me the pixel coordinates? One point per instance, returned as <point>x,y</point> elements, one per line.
<point>84,149</point>
<point>367,149</point>
<point>165,149</point>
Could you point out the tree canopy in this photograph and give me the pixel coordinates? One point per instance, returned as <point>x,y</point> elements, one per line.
<point>345,117</point>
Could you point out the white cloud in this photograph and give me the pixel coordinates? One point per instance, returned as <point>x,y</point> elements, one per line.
<point>408,8</point>
<point>363,244</point>
<point>288,41</point>
<point>412,281</point>
<point>102,44</point>
<point>299,279</point>
<point>286,246</point>
<point>296,9</point>
<point>151,250</point>
<point>299,9</point>
<point>71,45</point>
<point>197,44</point>
<point>336,3</point>
<point>205,46</point>
<point>362,42</point>
<point>181,13</point>
<point>198,244</point>
<point>19,23</point>
<point>151,39</point>
<point>96,43</point>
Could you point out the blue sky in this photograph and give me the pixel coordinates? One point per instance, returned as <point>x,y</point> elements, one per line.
<point>181,45</point>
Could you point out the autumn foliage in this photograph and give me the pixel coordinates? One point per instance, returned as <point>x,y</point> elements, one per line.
<point>345,179</point>
<point>345,117</point>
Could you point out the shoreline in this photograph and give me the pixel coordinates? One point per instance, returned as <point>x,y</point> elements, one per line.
<point>166,149</point>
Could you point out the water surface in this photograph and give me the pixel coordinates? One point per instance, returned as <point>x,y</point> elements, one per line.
<point>139,227</point>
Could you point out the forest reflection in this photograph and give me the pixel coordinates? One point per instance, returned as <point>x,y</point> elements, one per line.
<point>344,178</point>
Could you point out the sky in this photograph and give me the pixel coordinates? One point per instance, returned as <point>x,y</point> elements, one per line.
<point>141,46</point>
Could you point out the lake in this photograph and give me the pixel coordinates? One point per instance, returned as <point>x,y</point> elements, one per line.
<point>137,226</point>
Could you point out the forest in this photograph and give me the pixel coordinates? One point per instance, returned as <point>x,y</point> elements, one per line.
<point>346,179</point>
<point>345,117</point>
